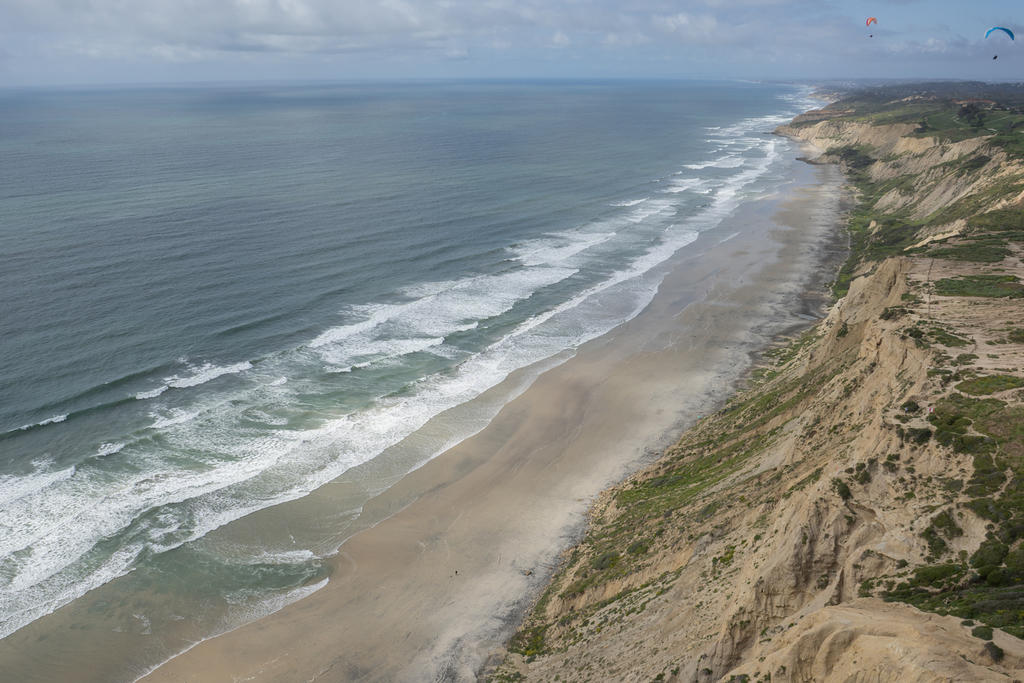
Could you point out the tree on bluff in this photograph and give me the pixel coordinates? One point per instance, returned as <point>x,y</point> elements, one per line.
<point>972,114</point>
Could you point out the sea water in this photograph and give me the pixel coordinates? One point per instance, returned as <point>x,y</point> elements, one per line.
<point>217,299</point>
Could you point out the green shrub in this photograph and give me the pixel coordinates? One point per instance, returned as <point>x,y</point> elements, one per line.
<point>842,489</point>
<point>983,632</point>
<point>990,384</point>
<point>1002,220</point>
<point>989,556</point>
<point>934,575</point>
<point>605,560</point>
<point>965,443</point>
<point>988,477</point>
<point>919,435</point>
<point>853,157</point>
<point>945,523</point>
<point>1014,560</point>
<point>974,163</point>
<point>948,421</point>
<point>892,312</point>
<point>998,577</point>
<point>985,252</point>
<point>529,641</point>
<point>942,526</point>
<point>980,285</point>
<point>637,548</point>
<point>940,336</point>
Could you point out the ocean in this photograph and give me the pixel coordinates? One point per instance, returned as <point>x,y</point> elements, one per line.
<point>214,300</point>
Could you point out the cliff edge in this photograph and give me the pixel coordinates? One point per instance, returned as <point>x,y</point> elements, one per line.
<point>857,512</point>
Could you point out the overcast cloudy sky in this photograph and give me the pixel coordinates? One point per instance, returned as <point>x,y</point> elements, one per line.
<point>146,41</point>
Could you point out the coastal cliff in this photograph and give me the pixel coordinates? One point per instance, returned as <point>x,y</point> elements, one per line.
<point>856,512</point>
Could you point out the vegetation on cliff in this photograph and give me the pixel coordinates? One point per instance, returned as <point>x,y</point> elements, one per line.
<point>875,461</point>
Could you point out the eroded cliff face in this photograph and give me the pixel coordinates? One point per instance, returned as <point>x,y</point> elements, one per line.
<point>870,458</point>
<point>932,169</point>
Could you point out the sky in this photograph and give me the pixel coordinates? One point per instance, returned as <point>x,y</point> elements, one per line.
<point>72,42</point>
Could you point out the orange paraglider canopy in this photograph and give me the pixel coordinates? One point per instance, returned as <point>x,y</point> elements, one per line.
<point>871,20</point>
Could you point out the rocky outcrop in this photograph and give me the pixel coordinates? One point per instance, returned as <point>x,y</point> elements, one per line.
<point>931,169</point>
<point>869,640</point>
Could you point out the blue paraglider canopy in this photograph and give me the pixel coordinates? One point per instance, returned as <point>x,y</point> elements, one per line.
<point>1000,28</point>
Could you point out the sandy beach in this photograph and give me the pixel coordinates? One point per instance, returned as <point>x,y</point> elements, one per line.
<point>431,591</point>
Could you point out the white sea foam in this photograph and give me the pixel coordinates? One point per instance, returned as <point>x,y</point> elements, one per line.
<point>42,561</point>
<point>206,469</point>
<point>43,475</point>
<point>558,247</point>
<point>658,207</point>
<point>196,376</point>
<point>377,315</point>
<point>246,476</point>
<point>144,395</point>
<point>108,449</point>
<point>34,594</point>
<point>253,610</point>
<point>727,161</point>
<point>266,417</point>
<point>435,311</point>
<point>338,357</point>
<point>42,423</point>
<point>205,373</point>
<point>175,416</point>
<point>678,185</point>
<point>630,202</point>
<point>146,624</point>
<point>278,557</point>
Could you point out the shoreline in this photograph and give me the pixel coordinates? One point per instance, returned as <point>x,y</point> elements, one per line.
<point>634,390</point>
<point>854,509</point>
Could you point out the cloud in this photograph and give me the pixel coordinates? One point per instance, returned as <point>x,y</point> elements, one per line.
<point>182,29</point>
<point>746,3</point>
<point>304,26</point>
<point>629,39</point>
<point>690,27</point>
<point>730,37</point>
<point>258,25</point>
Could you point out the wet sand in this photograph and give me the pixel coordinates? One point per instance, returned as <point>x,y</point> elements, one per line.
<point>433,590</point>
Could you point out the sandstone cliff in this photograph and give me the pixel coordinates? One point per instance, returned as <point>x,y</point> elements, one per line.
<point>857,512</point>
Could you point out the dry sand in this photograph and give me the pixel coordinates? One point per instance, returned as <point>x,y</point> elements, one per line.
<point>430,592</point>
